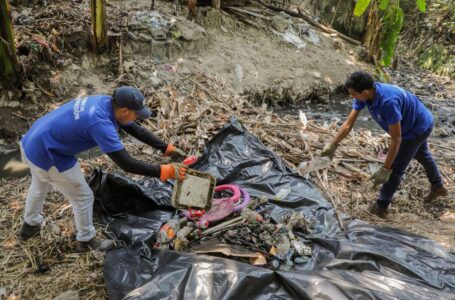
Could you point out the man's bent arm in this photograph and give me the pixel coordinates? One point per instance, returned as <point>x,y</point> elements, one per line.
<point>145,136</point>
<point>132,165</point>
<point>347,126</point>
<point>395,133</point>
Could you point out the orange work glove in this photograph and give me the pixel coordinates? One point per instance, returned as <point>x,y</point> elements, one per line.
<point>174,153</point>
<point>173,171</point>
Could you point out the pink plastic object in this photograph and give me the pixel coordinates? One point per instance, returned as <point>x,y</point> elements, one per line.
<point>245,199</point>
<point>221,207</point>
<point>190,160</point>
<point>193,214</point>
<point>202,224</point>
<point>220,210</point>
<point>235,190</point>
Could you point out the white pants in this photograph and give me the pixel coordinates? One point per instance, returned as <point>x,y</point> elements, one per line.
<point>72,185</point>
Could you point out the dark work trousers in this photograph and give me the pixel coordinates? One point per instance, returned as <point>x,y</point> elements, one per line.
<point>415,148</point>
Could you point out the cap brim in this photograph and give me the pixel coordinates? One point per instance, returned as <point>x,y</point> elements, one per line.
<point>144,113</point>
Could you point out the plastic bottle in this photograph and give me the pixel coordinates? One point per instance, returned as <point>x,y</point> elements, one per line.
<point>314,165</point>
<point>168,231</point>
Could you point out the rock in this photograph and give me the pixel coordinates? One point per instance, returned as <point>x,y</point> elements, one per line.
<point>362,54</point>
<point>190,31</point>
<point>14,104</point>
<point>68,295</point>
<point>156,82</point>
<point>338,45</point>
<point>145,37</point>
<point>127,65</point>
<point>279,23</point>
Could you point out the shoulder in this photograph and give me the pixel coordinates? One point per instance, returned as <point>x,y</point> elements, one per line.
<point>99,108</point>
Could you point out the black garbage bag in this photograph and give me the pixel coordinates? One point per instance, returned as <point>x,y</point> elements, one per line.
<point>361,262</point>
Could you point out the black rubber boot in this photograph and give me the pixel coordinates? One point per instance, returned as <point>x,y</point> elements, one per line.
<point>374,209</point>
<point>28,231</point>
<point>94,244</point>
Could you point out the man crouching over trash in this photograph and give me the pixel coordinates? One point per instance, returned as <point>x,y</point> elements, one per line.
<point>408,122</point>
<point>51,145</point>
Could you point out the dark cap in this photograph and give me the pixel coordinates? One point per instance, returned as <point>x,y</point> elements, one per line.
<point>131,98</point>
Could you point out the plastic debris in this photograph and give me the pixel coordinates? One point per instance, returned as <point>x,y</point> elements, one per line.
<point>260,260</point>
<point>314,165</point>
<point>251,216</point>
<point>294,39</point>
<point>168,231</point>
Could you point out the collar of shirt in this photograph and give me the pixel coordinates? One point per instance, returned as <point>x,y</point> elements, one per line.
<point>110,110</point>
<point>373,106</point>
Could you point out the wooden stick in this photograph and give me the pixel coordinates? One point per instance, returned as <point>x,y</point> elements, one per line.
<point>355,170</point>
<point>312,22</point>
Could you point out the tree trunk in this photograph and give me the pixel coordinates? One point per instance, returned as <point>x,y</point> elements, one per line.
<point>8,58</point>
<point>99,31</point>
<point>216,4</point>
<point>372,35</point>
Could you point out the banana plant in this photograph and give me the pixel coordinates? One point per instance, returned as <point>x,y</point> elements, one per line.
<point>392,21</point>
<point>99,31</point>
<point>8,58</point>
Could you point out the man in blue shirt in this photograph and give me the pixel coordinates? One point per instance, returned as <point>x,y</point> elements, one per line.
<point>52,143</point>
<point>408,122</point>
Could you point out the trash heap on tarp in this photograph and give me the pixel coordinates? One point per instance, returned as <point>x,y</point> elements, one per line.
<point>248,235</point>
<point>360,262</point>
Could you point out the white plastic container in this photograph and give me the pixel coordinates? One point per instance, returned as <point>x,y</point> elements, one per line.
<point>195,191</point>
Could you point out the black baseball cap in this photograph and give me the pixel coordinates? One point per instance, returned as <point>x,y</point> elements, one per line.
<point>131,98</point>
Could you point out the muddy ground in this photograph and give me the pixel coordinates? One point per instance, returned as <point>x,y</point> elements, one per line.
<point>244,51</point>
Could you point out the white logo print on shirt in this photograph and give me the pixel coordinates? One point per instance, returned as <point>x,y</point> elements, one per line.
<point>79,107</point>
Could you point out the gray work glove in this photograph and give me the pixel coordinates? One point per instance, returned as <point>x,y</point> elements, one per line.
<point>329,150</point>
<point>381,176</point>
<point>174,153</point>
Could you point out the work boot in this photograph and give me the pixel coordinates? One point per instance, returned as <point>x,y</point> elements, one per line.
<point>435,193</point>
<point>94,244</point>
<point>374,209</point>
<point>28,231</point>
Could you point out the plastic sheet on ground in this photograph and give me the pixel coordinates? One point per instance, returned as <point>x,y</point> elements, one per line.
<point>362,262</point>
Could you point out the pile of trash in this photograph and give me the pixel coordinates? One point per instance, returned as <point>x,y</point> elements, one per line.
<point>149,25</point>
<point>247,233</point>
<point>285,242</point>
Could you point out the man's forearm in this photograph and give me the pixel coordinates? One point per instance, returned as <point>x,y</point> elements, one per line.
<point>145,136</point>
<point>392,153</point>
<point>132,165</point>
<point>342,133</point>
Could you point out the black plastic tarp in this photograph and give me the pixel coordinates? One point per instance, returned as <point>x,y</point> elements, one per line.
<point>361,262</point>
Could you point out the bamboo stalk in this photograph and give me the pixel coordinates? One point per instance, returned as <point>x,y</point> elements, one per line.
<point>8,58</point>
<point>99,31</point>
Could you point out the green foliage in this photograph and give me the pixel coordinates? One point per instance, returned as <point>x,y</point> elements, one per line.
<point>8,58</point>
<point>421,5</point>
<point>392,28</point>
<point>384,4</point>
<point>392,22</point>
<point>360,7</point>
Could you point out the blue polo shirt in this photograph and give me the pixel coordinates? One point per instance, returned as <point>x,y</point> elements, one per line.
<point>393,104</point>
<point>80,124</point>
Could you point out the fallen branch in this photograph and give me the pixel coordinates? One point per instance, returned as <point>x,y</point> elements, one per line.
<point>312,22</point>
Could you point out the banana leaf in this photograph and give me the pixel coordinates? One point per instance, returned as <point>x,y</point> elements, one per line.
<point>393,24</point>
<point>421,5</point>
<point>361,7</point>
<point>384,4</point>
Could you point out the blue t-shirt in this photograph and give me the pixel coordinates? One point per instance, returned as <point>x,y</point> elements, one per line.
<point>392,104</point>
<point>81,124</point>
